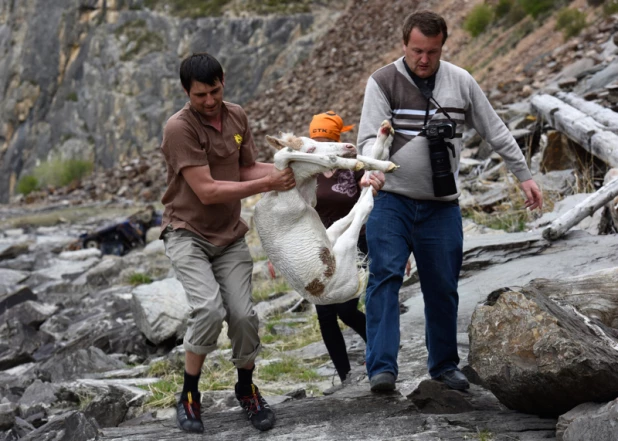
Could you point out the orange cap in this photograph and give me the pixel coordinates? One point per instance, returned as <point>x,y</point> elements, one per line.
<point>328,125</point>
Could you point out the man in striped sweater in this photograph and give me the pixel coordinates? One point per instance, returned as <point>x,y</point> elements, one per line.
<point>410,214</point>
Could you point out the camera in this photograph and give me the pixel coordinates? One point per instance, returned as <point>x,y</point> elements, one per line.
<point>444,129</point>
<point>442,177</point>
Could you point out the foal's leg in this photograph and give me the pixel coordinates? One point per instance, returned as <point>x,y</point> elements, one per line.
<point>350,277</point>
<point>337,229</point>
<point>284,157</point>
<point>375,164</point>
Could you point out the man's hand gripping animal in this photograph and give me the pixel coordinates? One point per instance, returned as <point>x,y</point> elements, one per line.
<point>322,265</point>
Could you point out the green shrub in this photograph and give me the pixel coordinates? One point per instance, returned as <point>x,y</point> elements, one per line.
<point>515,14</point>
<point>479,18</point>
<point>27,184</point>
<point>58,173</point>
<point>610,8</point>
<point>537,7</point>
<point>190,8</point>
<point>72,96</point>
<point>502,8</point>
<point>570,22</point>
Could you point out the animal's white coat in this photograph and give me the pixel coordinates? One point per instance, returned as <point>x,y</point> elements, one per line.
<point>321,265</point>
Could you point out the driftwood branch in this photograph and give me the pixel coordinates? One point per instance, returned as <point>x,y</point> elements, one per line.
<point>601,114</point>
<point>581,128</point>
<point>585,208</point>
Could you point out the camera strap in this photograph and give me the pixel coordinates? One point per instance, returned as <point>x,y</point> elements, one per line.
<point>426,86</point>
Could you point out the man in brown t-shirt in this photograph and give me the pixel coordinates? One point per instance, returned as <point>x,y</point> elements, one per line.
<point>210,156</point>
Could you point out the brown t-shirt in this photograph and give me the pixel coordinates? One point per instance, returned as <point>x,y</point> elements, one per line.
<point>188,141</point>
<point>337,195</point>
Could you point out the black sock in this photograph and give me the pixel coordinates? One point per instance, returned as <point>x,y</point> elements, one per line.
<point>190,385</point>
<point>245,379</point>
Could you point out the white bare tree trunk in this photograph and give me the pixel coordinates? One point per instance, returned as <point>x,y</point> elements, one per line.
<point>585,208</point>
<point>601,114</point>
<point>581,128</point>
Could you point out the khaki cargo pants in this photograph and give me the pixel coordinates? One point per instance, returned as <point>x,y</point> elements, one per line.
<point>217,281</point>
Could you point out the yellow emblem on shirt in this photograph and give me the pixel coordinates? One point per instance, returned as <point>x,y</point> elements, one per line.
<point>238,139</point>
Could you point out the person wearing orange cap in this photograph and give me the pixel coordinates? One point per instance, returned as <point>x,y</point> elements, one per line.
<point>337,192</point>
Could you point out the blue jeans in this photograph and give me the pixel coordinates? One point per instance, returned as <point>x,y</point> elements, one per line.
<point>433,232</point>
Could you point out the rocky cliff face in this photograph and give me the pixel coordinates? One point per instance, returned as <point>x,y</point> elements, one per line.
<point>96,79</point>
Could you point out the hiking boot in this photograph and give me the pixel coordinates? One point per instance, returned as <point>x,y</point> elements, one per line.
<point>188,417</point>
<point>382,382</point>
<point>259,412</point>
<point>455,379</point>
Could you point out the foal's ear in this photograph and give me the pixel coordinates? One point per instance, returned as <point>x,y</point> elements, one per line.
<point>275,142</point>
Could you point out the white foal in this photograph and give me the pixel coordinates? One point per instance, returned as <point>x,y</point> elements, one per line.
<point>321,265</point>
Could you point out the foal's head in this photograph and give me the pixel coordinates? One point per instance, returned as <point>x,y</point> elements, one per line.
<point>308,145</point>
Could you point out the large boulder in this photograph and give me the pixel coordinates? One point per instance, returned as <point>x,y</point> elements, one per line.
<point>540,354</point>
<point>160,309</point>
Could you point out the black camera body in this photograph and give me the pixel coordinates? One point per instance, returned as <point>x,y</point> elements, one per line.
<point>442,176</point>
<point>444,129</point>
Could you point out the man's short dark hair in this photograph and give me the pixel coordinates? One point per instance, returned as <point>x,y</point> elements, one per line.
<point>201,67</point>
<point>429,23</point>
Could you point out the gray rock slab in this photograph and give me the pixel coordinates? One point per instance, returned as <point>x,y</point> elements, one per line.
<point>434,397</point>
<point>577,69</point>
<point>598,425</point>
<point>77,364</point>
<point>71,426</point>
<point>280,304</point>
<point>51,243</point>
<point>31,313</point>
<point>108,410</point>
<point>15,296</point>
<point>8,412</point>
<point>67,269</point>
<point>160,309</point>
<point>599,80</point>
<point>154,247</point>
<point>104,273</point>
<point>364,417</point>
<point>39,393</point>
<point>9,277</point>
<point>12,250</point>
<point>80,254</point>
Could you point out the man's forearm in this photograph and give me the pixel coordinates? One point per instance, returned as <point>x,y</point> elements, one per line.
<point>217,192</point>
<point>256,171</point>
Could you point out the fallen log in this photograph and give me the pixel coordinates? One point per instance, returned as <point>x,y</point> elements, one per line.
<point>601,114</point>
<point>585,208</point>
<point>579,127</point>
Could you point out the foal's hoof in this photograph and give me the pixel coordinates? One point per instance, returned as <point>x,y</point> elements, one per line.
<point>391,168</point>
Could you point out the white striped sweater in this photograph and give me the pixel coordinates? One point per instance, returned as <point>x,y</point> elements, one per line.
<point>392,95</point>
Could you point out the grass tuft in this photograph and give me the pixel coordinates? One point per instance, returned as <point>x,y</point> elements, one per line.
<point>139,279</point>
<point>58,172</point>
<point>27,184</point>
<point>262,289</point>
<point>287,369</point>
